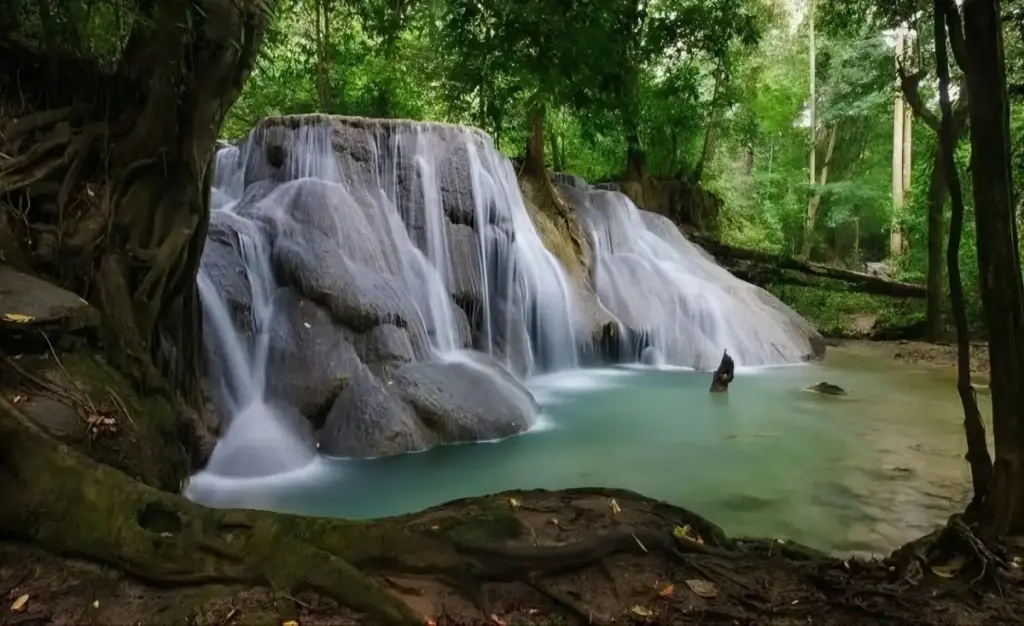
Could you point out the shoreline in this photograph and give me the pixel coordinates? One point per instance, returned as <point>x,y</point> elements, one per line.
<point>626,559</point>
<point>919,353</point>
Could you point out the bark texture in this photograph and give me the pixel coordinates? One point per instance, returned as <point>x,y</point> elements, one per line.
<point>974,429</point>
<point>1002,292</point>
<point>106,174</point>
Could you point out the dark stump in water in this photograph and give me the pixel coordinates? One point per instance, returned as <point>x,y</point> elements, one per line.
<point>724,374</point>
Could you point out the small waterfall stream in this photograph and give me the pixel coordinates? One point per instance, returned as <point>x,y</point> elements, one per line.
<point>375,287</point>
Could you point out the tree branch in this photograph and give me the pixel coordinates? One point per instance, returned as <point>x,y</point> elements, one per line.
<point>955,28</point>
<point>909,85</point>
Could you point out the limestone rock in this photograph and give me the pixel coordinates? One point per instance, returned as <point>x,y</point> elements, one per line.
<point>463,401</point>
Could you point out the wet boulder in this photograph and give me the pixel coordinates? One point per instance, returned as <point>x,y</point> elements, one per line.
<point>367,420</point>
<point>224,266</point>
<point>466,400</point>
<point>308,359</point>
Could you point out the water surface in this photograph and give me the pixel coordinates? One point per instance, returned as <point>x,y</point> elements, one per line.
<point>856,474</point>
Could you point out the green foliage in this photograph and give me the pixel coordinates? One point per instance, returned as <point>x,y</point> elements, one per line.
<point>849,314</point>
<point>715,90</point>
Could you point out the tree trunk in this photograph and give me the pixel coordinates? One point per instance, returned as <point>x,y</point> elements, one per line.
<point>937,192</point>
<point>1002,292</point>
<point>709,133</point>
<point>534,163</point>
<point>120,187</point>
<point>974,429</point>
<point>898,117</point>
<point>815,202</point>
<point>812,101</point>
<point>322,30</point>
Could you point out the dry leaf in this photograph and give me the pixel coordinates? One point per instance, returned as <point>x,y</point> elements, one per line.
<point>435,528</point>
<point>512,502</point>
<point>497,620</point>
<point>18,318</point>
<point>95,604</point>
<point>667,591</point>
<point>615,506</point>
<point>19,604</point>
<point>639,610</point>
<point>950,569</point>
<point>290,622</point>
<point>18,399</point>
<point>702,588</point>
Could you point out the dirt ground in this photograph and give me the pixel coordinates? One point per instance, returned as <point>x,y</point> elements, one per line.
<point>921,353</point>
<point>701,578</point>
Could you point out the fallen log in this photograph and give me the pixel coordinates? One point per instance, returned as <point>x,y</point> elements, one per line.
<point>761,268</point>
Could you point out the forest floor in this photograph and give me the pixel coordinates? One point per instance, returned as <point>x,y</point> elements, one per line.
<point>734,582</point>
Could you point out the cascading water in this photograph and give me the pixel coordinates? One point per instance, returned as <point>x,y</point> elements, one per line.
<point>369,236</point>
<point>653,279</point>
<point>374,287</point>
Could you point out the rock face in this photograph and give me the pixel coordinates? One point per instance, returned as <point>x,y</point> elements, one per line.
<point>387,281</point>
<point>346,255</point>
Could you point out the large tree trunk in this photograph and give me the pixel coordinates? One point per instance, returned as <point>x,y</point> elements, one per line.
<point>116,168</point>
<point>974,429</point>
<point>1002,291</point>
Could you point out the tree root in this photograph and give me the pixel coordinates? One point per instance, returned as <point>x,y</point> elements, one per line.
<point>166,540</point>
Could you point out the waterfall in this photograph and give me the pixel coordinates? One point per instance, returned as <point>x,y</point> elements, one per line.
<point>651,278</point>
<point>372,287</point>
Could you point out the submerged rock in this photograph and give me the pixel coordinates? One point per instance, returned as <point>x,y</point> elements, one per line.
<point>827,389</point>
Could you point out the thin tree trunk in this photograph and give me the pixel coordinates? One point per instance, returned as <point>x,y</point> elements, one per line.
<point>1002,291</point>
<point>708,145</point>
<point>937,193</point>
<point>899,115</point>
<point>812,101</point>
<point>815,202</point>
<point>534,164</point>
<point>322,34</point>
<point>974,429</point>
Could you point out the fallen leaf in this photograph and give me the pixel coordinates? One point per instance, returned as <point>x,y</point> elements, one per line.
<point>643,612</point>
<point>667,591</point>
<point>95,604</point>
<point>18,399</point>
<point>512,502</point>
<point>950,569</point>
<point>20,603</point>
<point>615,506</point>
<point>435,528</point>
<point>688,533</point>
<point>290,622</point>
<point>702,588</point>
<point>497,620</point>
<point>795,602</point>
<point>18,318</point>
